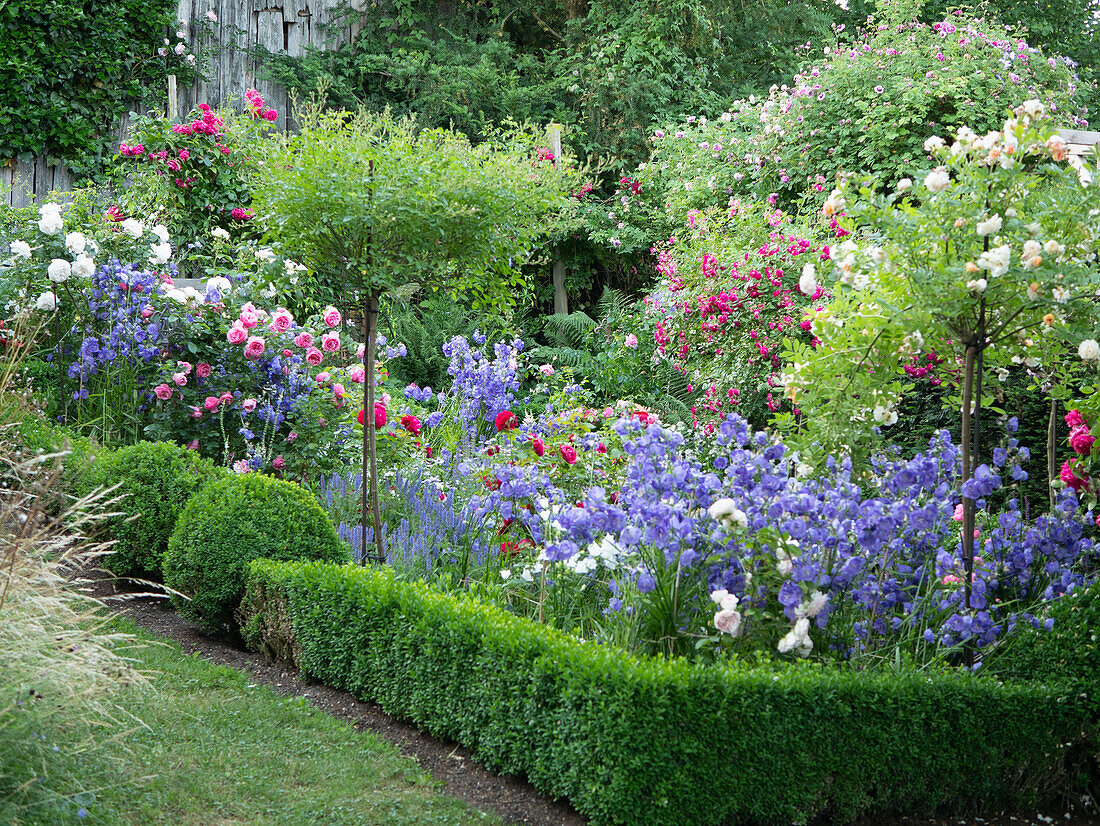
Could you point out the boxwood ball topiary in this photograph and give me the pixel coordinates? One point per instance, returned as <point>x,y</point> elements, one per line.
<point>156,479</point>
<point>229,523</point>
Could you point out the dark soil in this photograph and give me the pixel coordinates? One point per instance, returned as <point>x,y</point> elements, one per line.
<point>512,798</point>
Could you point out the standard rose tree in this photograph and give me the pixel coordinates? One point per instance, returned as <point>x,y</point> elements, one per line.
<point>371,206</point>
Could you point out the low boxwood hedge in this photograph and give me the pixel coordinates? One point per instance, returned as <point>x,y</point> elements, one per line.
<point>650,741</point>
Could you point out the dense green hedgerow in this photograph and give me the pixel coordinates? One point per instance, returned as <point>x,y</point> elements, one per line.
<point>36,436</point>
<point>156,480</point>
<point>633,740</point>
<point>229,523</point>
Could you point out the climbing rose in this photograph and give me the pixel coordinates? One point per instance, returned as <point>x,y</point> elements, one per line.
<point>506,420</point>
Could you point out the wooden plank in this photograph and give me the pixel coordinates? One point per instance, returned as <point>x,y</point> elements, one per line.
<point>1080,137</point>
<point>6,184</point>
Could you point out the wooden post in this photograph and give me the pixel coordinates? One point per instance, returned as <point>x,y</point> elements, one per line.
<point>561,304</point>
<point>173,107</point>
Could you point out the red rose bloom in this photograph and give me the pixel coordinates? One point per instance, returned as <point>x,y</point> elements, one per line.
<point>506,420</point>
<point>538,446</point>
<point>569,453</point>
<point>601,448</point>
<point>411,424</point>
<point>1081,440</point>
<point>1071,479</point>
<point>379,415</point>
<point>361,417</point>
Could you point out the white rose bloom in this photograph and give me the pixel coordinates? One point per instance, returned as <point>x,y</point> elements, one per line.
<point>59,270</point>
<point>75,242</point>
<point>978,285</point>
<point>1052,247</point>
<point>905,184</point>
<point>1089,350</point>
<point>48,301</point>
<point>933,143</point>
<point>1031,249</point>
<point>937,180</point>
<point>159,253</point>
<point>724,599</point>
<point>807,284</point>
<point>989,226</point>
<point>265,254</point>
<point>996,260</point>
<point>1032,108</point>
<point>51,223</point>
<point>270,291</point>
<point>219,232</point>
<point>83,266</point>
<point>177,295</point>
<point>161,231</point>
<point>1060,295</point>
<point>20,249</point>
<point>49,209</point>
<point>133,227</point>
<point>221,284</point>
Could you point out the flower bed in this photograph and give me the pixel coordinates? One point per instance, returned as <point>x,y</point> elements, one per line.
<point>640,740</point>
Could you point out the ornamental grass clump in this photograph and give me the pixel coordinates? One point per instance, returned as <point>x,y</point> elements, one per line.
<point>59,666</point>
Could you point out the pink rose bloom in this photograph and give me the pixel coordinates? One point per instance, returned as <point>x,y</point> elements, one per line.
<point>958,514</point>
<point>631,341</point>
<point>211,403</point>
<point>146,312</point>
<point>163,391</point>
<point>1071,479</point>
<point>248,405</point>
<point>411,424</point>
<point>196,413</point>
<point>303,340</point>
<point>357,374</point>
<point>226,397</point>
<point>360,351</point>
<point>185,366</point>
<point>279,462</point>
<point>322,377</point>
<point>180,379</point>
<point>538,446</point>
<point>569,453</point>
<point>269,114</point>
<point>1074,418</point>
<point>193,444</point>
<point>338,390</point>
<point>249,319</point>
<point>314,356</point>
<point>287,354</point>
<point>546,369</point>
<point>330,342</point>
<point>331,316</point>
<point>728,622</point>
<point>236,334</point>
<point>241,466</point>
<point>254,347</point>
<point>282,320</point>
<point>1081,440</point>
<point>292,437</point>
<point>202,370</point>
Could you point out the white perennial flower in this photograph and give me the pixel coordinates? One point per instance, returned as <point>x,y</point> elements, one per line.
<point>161,231</point>
<point>220,233</point>
<point>47,302</point>
<point>807,284</point>
<point>1089,350</point>
<point>83,266</point>
<point>159,253</point>
<point>75,242</point>
<point>996,260</point>
<point>727,512</point>
<point>937,180</point>
<point>133,227</point>
<point>989,226</point>
<point>59,270</point>
<point>20,249</point>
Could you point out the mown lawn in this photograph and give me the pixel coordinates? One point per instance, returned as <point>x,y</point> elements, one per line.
<point>206,747</point>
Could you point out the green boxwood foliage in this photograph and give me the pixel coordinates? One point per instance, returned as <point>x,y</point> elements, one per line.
<point>229,523</point>
<point>156,479</point>
<point>36,436</point>
<point>651,741</point>
<point>1069,653</point>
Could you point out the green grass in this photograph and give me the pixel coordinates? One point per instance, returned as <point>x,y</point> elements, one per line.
<point>214,749</point>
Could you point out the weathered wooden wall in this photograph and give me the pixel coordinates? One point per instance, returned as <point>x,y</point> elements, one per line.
<point>278,25</point>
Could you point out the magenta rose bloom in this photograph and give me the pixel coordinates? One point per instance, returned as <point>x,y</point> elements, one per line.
<point>538,446</point>
<point>411,424</point>
<point>202,370</point>
<point>1081,440</point>
<point>314,356</point>
<point>1074,418</point>
<point>1071,479</point>
<point>379,415</point>
<point>569,453</point>
<point>506,420</point>
<point>304,340</point>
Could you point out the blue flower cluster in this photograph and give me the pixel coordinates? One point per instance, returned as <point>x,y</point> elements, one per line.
<point>120,323</point>
<point>485,387</point>
<point>883,549</point>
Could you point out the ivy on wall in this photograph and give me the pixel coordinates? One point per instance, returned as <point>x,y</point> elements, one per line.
<point>69,69</point>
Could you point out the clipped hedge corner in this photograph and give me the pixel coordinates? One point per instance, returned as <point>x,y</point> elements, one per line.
<point>648,741</point>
